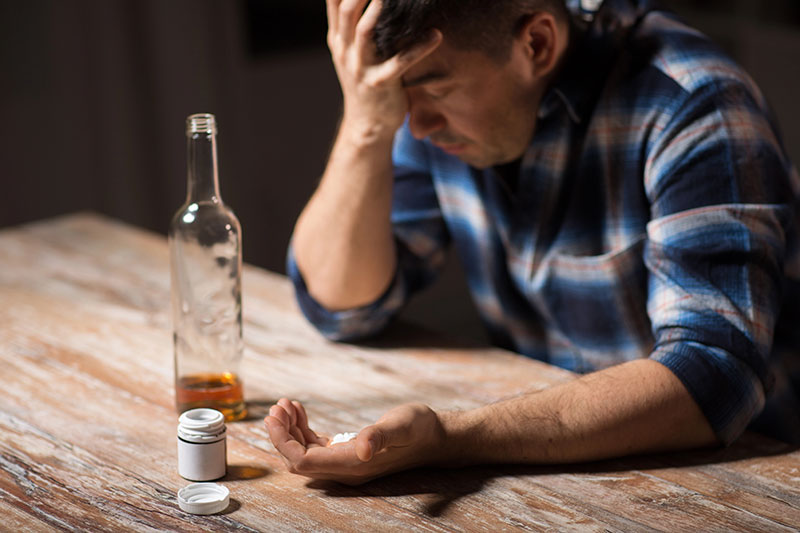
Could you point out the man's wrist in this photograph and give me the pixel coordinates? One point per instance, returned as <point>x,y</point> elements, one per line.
<point>459,429</point>
<point>363,133</point>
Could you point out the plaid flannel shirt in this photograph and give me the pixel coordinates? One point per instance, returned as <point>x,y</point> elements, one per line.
<point>654,215</point>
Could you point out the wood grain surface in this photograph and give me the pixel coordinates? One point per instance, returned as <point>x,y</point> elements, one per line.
<point>88,427</point>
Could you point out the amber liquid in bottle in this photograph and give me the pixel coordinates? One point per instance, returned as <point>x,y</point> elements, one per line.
<point>222,392</point>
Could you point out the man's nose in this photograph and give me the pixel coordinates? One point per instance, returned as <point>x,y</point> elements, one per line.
<point>423,121</point>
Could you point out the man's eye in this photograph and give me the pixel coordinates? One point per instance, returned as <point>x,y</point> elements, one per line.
<point>438,94</point>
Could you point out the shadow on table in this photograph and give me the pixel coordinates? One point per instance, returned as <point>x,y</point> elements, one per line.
<point>257,409</point>
<point>749,446</point>
<point>232,507</point>
<point>446,486</point>
<point>404,334</point>
<point>245,472</point>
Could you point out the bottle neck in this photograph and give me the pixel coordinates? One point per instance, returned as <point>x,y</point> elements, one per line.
<point>202,179</point>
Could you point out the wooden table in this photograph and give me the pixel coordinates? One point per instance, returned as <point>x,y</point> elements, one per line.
<point>87,424</point>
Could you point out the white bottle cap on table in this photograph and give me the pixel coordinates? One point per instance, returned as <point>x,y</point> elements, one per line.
<point>203,498</point>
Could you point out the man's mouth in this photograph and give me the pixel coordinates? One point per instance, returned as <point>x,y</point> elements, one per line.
<point>452,147</point>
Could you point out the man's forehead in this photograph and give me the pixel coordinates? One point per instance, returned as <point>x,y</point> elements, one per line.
<point>439,65</point>
<point>443,64</point>
<point>432,75</point>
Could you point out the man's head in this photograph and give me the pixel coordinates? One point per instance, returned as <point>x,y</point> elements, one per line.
<point>483,25</point>
<point>477,95</point>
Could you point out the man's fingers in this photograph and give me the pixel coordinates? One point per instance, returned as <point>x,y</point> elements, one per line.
<point>408,58</point>
<point>283,441</point>
<point>298,435</point>
<point>369,441</point>
<point>333,15</point>
<point>278,431</point>
<point>367,21</point>
<point>364,29</point>
<point>280,414</point>
<point>302,417</point>
<point>397,65</point>
<point>335,462</point>
<point>350,12</point>
<point>385,434</point>
<point>289,408</point>
<point>302,424</point>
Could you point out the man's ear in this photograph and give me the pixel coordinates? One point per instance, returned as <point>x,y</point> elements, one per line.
<point>544,38</point>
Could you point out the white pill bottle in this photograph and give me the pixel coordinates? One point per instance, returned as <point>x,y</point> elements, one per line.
<point>202,447</point>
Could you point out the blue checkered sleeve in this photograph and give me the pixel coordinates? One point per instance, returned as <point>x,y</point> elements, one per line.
<point>715,250</point>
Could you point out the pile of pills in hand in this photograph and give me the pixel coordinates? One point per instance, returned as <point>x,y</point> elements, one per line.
<point>341,438</point>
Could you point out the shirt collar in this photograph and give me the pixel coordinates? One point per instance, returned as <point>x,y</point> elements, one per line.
<point>599,29</point>
<point>584,9</point>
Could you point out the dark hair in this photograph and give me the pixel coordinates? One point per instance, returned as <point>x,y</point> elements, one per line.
<point>485,25</point>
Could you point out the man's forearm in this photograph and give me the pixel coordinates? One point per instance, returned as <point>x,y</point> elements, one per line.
<point>343,239</point>
<point>636,407</point>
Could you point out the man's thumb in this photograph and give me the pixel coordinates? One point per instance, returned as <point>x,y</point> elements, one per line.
<point>370,441</point>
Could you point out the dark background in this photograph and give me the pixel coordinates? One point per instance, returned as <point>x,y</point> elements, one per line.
<point>94,93</point>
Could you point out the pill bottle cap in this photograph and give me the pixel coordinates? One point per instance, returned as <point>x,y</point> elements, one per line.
<point>203,498</point>
<point>201,425</point>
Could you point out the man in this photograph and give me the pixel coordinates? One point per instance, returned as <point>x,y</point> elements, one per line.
<point>620,201</point>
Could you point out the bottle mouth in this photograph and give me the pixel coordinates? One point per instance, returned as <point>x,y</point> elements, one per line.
<point>204,123</point>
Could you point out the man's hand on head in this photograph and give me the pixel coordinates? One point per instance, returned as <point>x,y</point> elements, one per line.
<point>374,101</point>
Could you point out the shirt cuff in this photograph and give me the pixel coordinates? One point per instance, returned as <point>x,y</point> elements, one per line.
<point>350,324</point>
<point>728,392</point>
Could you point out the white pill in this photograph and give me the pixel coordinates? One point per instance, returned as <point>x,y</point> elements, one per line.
<point>342,437</point>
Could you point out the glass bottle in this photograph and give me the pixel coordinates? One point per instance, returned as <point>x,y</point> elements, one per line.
<point>206,265</point>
